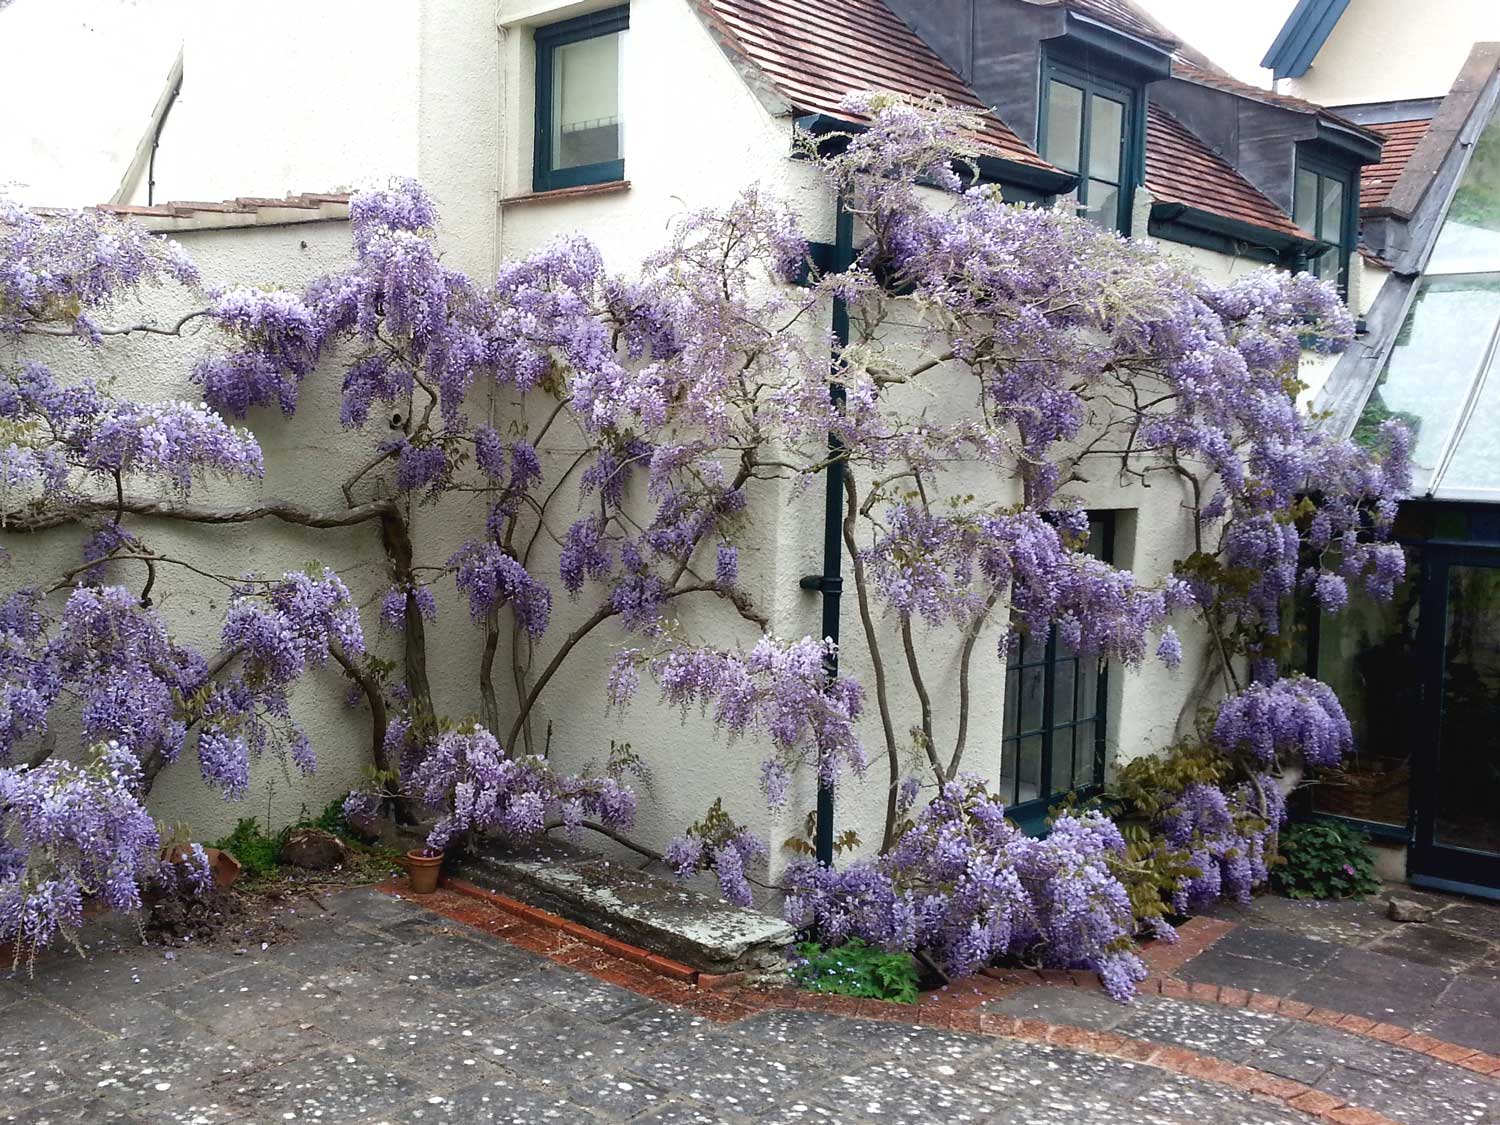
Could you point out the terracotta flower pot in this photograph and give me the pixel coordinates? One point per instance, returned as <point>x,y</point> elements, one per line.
<point>422,868</point>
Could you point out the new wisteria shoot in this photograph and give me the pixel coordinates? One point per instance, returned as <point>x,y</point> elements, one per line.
<point>612,448</point>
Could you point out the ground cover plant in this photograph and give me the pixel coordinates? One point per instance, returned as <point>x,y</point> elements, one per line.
<point>1325,859</point>
<point>672,396</point>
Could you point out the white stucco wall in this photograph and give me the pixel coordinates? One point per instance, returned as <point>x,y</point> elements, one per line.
<point>303,466</point>
<point>455,107</point>
<point>1387,50</point>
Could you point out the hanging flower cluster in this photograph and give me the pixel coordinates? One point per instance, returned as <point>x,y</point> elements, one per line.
<point>778,689</point>
<point>465,777</point>
<point>716,843</point>
<point>64,268</point>
<point>1229,837</point>
<point>71,832</point>
<point>1295,718</point>
<point>276,632</point>
<point>59,436</point>
<point>965,886</point>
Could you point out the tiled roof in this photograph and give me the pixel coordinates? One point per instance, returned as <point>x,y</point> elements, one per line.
<point>1401,140</point>
<point>1182,169</point>
<point>814,52</point>
<point>1125,16</point>
<point>1218,80</point>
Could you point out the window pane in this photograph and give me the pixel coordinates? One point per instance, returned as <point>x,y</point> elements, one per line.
<point>1433,365</point>
<point>1103,203</point>
<point>1470,238</point>
<point>1062,761</point>
<point>1305,206</point>
<point>1106,139</point>
<point>1064,139</point>
<point>1012,702</point>
<point>586,102</point>
<point>1033,682</point>
<point>1029,769</point>
<point>1366,654</point>
<point>1475,464</point>
<point>1332,225</point>
<point>1063,681</point>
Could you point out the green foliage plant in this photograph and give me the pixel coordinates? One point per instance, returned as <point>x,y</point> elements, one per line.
<point>1324,859</point>
<point>856,969</point>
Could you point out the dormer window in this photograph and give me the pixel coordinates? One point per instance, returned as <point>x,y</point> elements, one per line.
<point>579,126</point>
<point>1088,126</point>
<point>1325,205</point>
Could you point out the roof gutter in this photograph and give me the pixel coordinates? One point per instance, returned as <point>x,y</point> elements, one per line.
<point>1180,222</point>
<point>991,169</point>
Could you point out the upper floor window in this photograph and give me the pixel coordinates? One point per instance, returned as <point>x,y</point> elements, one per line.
<point>579,126</point>
<point>1088,127</point>
<point>1325,205</point>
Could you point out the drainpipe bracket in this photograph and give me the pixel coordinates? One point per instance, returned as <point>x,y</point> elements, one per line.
<point>822,583</point>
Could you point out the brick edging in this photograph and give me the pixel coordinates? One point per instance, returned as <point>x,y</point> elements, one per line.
<point>726,999</point>
<point>673,970</point>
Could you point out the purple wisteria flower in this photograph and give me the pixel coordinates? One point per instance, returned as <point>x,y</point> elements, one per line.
<point>71,832</point>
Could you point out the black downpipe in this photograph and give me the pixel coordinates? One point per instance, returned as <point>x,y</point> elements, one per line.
<point>831,582</point>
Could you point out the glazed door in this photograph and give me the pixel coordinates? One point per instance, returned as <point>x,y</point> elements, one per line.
<point>1456,844</point>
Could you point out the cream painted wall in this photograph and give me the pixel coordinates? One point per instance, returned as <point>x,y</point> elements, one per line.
<point>464,127</point>
<point>303,466</point>
<point>1387,50</point>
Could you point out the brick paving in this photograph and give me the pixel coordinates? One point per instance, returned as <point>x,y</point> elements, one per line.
<point>480,1010</point>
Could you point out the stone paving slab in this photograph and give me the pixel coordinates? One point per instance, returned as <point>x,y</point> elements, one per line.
<point>379,1010</point>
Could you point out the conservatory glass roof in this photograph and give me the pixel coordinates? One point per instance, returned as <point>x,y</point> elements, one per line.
<point>1441,378</point>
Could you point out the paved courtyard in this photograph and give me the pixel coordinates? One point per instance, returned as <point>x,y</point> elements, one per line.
<point>376,1009</point>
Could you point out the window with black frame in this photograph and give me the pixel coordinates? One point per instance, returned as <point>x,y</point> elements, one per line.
<point>579,124</point>
<point>1089,125</point>
<point>1055,708</point>
<point>1326,205</point>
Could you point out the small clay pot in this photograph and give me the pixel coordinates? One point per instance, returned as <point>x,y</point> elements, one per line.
<point>422,868</point>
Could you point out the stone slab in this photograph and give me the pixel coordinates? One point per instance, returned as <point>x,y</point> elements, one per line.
<point>633,906</point>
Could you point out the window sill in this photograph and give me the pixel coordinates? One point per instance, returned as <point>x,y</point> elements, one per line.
<point>581,191</point>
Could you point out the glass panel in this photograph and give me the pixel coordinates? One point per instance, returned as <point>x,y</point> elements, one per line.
<point>1475,464</point>
<point>1088,688</point>
<point>1085,735</point>
<point>1331,228</point>
<point>1064,140</point>
<point>1103,204</point>
<point>1305,207</point>
<point>1063,682</point>
<point>1033,682</point>
<point>1367,655</point>
<point>586,102</point>
<point>1029,769</point>
<point>1468,799</point>
<point>1012,701</point>
<point>1106,139</point>
<point>1332,225</point>
<point>1432,366</point>
<point>1470,239</point>
<point>1062,761</point>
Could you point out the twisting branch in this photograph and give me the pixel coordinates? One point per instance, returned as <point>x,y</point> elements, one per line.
<point>283,510</point>
<point>920,685</point>
<point>877,662</point>
<point>35,328</point>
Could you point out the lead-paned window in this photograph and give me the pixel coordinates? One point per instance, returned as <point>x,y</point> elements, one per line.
<point>1055,708</point>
